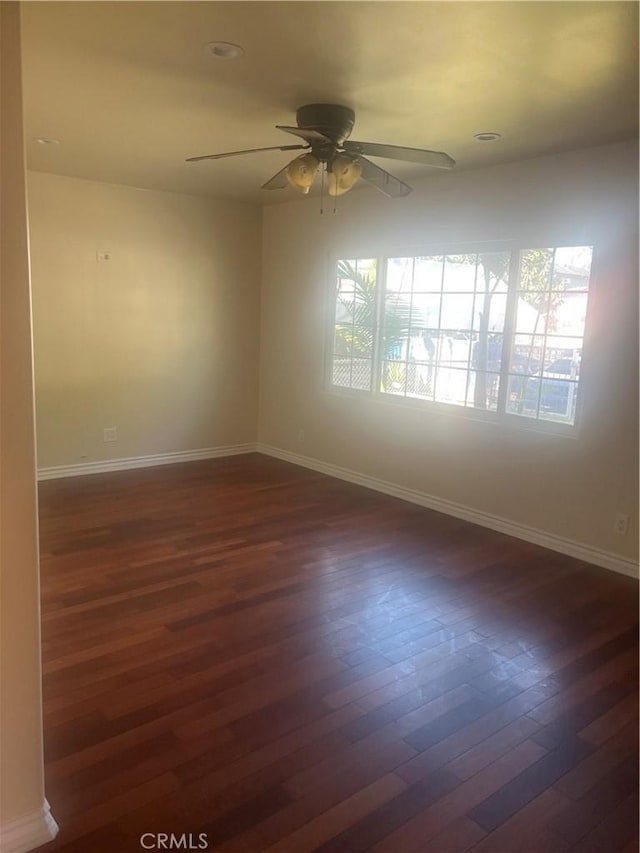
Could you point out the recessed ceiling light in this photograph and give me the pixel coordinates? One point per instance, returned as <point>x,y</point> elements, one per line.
<point>488,136</point>
<point>225,50</point>
<point>44,140</point>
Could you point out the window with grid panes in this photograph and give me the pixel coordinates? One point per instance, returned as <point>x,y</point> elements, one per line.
<point>354,327</point>
<point>494,331</point>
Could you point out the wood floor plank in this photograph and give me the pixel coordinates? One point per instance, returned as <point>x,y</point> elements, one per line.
<point>281,660</point>
<point>616,831</point>
<point>586,813</point>
<point>516,832</point>
<point>416,832</point>
<point>592,769</point>
<point>331,822</point>
<point>363,834</point>
<point>532,781</point>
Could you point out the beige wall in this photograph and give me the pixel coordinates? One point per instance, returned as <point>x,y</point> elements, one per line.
<point>21,772</point>
<point>161,341</point>
<point>570,487</point>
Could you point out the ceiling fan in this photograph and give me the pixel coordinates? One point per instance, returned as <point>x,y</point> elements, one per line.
<point>325,128</point>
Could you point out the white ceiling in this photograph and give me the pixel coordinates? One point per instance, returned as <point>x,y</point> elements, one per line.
<point>129,89</point>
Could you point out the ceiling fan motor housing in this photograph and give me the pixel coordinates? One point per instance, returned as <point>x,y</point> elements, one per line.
<point>333,120</point>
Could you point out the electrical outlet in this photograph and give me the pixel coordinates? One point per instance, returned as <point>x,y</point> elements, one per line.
<point>110,434</point>
<point>621,524</point>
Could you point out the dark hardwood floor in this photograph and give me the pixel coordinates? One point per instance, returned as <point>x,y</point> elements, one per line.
<point>287,662</point>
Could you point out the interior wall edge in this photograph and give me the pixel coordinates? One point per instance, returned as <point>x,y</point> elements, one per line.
<point>21,743</point>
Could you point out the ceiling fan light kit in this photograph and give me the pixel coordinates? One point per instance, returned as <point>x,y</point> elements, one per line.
<point>301,172</point>
<point>325,130</point>
<point>344,174</point>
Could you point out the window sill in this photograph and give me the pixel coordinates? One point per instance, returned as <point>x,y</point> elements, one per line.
<point>506,423</point>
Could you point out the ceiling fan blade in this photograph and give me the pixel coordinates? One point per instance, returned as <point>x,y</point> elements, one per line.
<point>246,151</point>
<point>438,159</point>
<point>278,182</point>
<point>381,180</point>
<point>304,133</point>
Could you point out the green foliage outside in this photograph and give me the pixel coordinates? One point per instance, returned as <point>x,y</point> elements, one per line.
<point>358,337</point>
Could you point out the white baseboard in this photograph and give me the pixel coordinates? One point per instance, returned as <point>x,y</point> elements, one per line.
<point>28,832</point>
<point>580,551</point>
<point>142,461</point>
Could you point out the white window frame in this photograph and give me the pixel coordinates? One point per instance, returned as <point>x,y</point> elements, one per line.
<point>501,415</point>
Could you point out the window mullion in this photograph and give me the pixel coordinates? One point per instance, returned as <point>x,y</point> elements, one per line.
<point>546,329</point>
<point>332,294</point>
<point>436,366</point>
<point>381,288</point>
<point>509,329</point>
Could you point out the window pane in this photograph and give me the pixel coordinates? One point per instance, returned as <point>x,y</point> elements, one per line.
<point>560,360</point>
<point>427,274</point>
<point>456,312</point>
<point>531,314</point>
<point>527,354</point>
<point>354,323</point>
<point>457,349</point>
<point>394,340</point>
<point>574,264</point>
<point>460,273</point>
<point>344,290</point>
<point>486,353</point>
<point>395,349</point>
<point>425,310</point>
<point>483,390</point>
<point>394,377</point>
<point>492,305</point>
<point>493,272</point>
<point>396,326</point>
<point>451,385</point>
<point>550,320</point>
<point>558,400</point>
<point>420,348</point>
<point>399,275</point>
<point>522,396</point>
<point>454,328</point>
<point>342,340</point>
<point>364,310</point>
<point>362,341</point>
<point>361,374</point>
<point>398,309</point>
<point>345,276</point>
<point>367,267</point>
<point>341,374</point>
<point>345,307</point>
<point>570,314</point>
<point>535,269</point>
